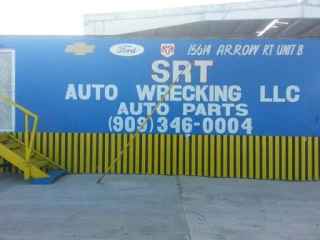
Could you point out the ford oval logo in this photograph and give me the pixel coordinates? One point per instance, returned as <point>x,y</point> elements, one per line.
<point>127,49</point>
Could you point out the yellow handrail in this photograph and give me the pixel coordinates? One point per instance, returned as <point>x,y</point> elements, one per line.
<point>28,143</point>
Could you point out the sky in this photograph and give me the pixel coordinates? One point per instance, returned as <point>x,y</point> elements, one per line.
<point>65,17</point>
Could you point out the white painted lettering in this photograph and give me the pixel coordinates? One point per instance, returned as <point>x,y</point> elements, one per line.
<point>98,88</point>
<point>111,92</point>
<point>276,97</point>
<point>263,97</point>
<point>71,92</point>
<point>165,74</point>
<point>239,50</point>
<point>300,50</point>
<point>228,107</point>
<point>87,94</point>
<point>188,108</point>
<point>200,93</point>
<point>203,64</point>
<point>163,109</point>
<point>292,93</point>
<point>177,72</point>
<point>241,110</point>
<point>200,110</point>
<point>214,108</point>
<point>188,97</point>
<point>285,50</point>
<point>123,109</point>
<point>268,50</point>
<point>220,50</point>
<point>161,91</point>
<point>176,94</point>
<point>228,50</point>
<point>146,93</point>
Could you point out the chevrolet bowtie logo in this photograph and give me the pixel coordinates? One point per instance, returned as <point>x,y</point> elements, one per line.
<point>80,49</point>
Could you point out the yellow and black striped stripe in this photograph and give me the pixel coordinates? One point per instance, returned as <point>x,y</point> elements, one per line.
<point>256,157</point>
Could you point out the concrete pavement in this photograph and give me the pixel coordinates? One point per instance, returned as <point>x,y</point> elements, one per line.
<point>158,207</point>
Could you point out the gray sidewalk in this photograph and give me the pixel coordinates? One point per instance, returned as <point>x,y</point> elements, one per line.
<point>158,207</point>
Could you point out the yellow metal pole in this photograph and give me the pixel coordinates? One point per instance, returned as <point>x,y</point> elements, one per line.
<point>26,136</point>
<point>33,135</point>
<point>26,171</point>
<point>143,124</point>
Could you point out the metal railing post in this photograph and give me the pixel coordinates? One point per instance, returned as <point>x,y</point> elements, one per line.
<point>26,136</point>
<point>33,135</point>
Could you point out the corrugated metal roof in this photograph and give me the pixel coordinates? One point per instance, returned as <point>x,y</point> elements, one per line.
<point>223,20</point>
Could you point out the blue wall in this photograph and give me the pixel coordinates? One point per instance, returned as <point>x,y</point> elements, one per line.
<point>272,90</point>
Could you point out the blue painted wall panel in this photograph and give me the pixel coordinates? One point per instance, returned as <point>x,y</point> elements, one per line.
<point>46,74</point>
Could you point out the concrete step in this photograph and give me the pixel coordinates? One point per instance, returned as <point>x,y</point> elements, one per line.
<point>54,175</point>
